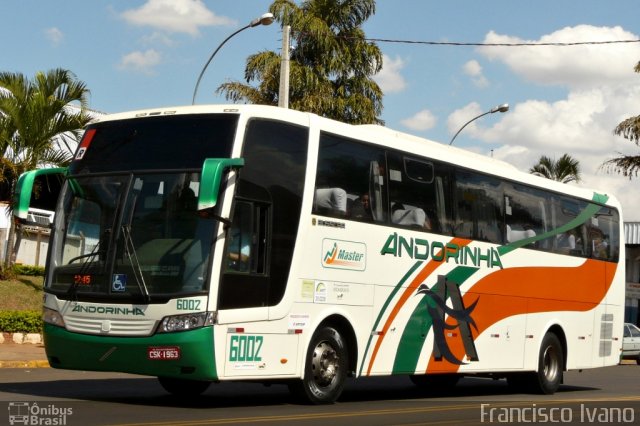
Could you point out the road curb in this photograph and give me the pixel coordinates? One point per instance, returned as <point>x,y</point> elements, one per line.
<point>21,338</point>
<point>25,364</point>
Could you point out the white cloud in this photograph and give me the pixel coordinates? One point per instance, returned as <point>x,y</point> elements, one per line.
<point>460,116</point>
<point>142,62</point>
<point>572,66</point>
<point>175,16</point>
<point>602,90</point>
<point>422,120</point>
<point>157,38</point>
<point>54,35</point>
<point>474,70</point>
<point>580,125</point>
<point>389,78</point>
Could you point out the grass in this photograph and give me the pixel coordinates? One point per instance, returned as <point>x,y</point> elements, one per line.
<point>23,293</point>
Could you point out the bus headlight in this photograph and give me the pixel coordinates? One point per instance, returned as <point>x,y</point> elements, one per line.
<point>52,317</point>
<point>185,322</point>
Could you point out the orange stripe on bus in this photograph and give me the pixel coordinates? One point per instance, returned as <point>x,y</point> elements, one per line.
<point>530,290</point>
<point>431,266</point>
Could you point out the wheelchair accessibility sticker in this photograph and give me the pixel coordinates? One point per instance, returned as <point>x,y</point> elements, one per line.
<point>119,283</point>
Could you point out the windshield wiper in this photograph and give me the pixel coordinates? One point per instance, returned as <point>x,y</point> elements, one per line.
<point>88,258</point>
<point>130,250</point>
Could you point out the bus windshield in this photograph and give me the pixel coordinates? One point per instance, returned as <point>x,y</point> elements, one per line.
<point>136,235</point>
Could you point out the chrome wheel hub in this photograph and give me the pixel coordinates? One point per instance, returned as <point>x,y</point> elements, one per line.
<point>550,363</point>
<point>325,364</point>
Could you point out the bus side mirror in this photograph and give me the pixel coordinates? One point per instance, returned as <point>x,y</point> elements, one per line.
<point>24,189</point>
<point>213,171</point>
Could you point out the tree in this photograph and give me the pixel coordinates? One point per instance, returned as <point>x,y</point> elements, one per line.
<point>330,67</point>
<point>32,114</point>
<point>565,170</point>
<point>627,165</point>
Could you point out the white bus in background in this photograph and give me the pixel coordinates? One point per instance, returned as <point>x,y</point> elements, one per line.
<point>260,243</point>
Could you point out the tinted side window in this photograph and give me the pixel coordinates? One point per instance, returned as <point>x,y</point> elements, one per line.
<point>350,180</point>
<point>268,201</point>
<point>418,193</point>
<point>527,215</point>
<point>604,239</point>
<point>478,202</point>
<point>240,247</point>
<point>564,211</point>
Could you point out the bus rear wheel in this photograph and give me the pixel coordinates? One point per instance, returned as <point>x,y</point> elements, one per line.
<point>183,387</point>
<point>547,379</point>
<point>550,365</point>
<point>325,370</point>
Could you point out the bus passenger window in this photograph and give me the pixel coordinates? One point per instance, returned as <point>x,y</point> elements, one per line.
<point>418,191</point>
<point>361,208</point>
<point>350,180</point>
<point>413,217</point>
<point>331,201</point>
<point>528,216</point>
<point>240,236</point>
<point>603,235</point>
<point>478,207</point>
<point>565,211</point>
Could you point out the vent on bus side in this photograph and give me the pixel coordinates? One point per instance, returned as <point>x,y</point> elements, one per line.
<point>606,335</point>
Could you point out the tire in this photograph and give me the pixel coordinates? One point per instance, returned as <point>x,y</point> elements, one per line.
<point>183,387</point>
<point>638,360</point>
<point>547,379</point>
<point>325,370</point>
<point>550,365</point>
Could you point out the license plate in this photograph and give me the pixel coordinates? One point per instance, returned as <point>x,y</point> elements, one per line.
<point>164,353</point>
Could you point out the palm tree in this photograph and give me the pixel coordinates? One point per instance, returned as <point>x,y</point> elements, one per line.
<point>32,114</point>
<point>627,165</point>
<point>330,67</point>
<point>565,170</point>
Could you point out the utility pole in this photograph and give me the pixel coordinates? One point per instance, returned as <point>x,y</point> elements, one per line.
<point>283,94</point>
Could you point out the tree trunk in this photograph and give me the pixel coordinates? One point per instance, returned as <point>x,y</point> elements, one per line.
<point>10,255</point>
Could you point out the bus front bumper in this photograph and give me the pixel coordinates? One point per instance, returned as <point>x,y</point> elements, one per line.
<point>185,355</point>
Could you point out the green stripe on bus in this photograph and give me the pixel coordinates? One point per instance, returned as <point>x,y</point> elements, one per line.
<point>600,198</point>
<point>384,309</point>
<point>419,324</point>
<point>585,215</point>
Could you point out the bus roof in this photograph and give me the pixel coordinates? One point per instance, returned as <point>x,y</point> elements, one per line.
<point>378,135</point>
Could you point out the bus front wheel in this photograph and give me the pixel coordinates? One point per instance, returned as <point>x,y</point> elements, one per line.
<point>325,368</point>
<point>183,387</point>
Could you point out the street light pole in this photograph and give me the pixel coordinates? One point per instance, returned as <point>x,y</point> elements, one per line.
<point>265,19</point>
<point>283,92</point>
<point>499,108</point>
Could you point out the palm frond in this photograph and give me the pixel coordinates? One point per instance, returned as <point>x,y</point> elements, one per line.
<point>331,67</point>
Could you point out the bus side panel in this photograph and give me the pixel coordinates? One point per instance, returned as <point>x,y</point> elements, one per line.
<point>260,354</point>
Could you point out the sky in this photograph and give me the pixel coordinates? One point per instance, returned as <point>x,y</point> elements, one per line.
<point>563,99</point>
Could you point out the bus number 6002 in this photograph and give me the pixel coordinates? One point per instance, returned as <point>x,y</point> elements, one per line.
<point>245,348</point>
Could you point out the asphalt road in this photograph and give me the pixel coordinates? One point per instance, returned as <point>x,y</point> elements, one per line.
<point>47,396</point>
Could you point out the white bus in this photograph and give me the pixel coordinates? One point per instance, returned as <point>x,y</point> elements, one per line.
<point>218,243</point>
